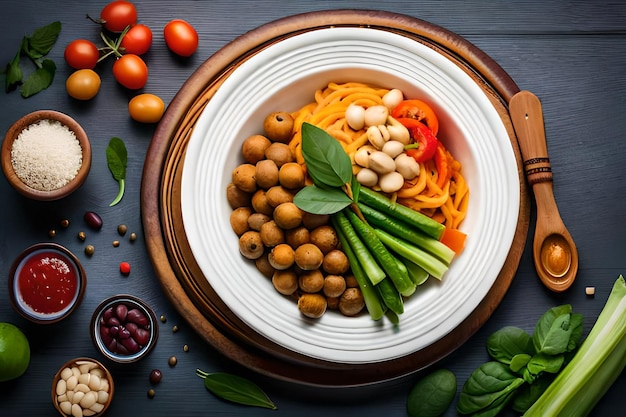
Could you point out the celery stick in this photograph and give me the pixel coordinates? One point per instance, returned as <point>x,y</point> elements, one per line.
<point>595,366</point>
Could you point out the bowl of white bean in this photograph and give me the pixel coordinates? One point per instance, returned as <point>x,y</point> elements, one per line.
<point>46,155</point>
<point>82,386</point>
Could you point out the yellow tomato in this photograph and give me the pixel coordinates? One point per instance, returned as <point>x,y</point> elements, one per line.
<point>83,84</point>
<point>146,108</point>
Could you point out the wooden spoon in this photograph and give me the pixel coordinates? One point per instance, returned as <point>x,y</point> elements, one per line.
<point>554,251</point>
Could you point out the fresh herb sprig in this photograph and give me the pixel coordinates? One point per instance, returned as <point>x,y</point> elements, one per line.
<point>117,159</point>
<point>330,168</point>
<point>236,389</point>
<point>35,47</point>
<point>523,365</point>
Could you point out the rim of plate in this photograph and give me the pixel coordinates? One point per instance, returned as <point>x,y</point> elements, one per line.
<point>309,61</point>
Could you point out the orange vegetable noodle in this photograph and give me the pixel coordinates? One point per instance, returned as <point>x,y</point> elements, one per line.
<point>439,191</point>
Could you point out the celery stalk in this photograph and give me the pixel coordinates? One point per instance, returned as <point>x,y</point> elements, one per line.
<point>595,366</point>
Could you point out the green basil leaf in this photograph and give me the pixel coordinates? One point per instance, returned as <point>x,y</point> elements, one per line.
<point>317,200</point>
<point>43,39</point>
<point>491,385</point>
<point>327,162</point>
<point>14,74</point>
<point>504,344</point>
<point>432,395</point>
<point>553,331</point>
<point>39,80</point>
<point>117,159</point>
<point>236,389</point>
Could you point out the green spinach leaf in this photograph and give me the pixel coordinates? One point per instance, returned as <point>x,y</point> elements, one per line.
<point>488,387</point>
<point>117,159</point>
<point>236,389</point>
<point>527,394</point>
<point>553,331</point>
<point>504,344</point>
<point>545,363</point>
<point>317,200</point>
<point>519,362</point>
<point>432,395</point>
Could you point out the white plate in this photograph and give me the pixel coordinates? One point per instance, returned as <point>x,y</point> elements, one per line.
<point>285,77</point>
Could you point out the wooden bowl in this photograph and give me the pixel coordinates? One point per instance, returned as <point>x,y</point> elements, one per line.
<point>22,185</point>
<point>88,368</point>
<point>49,309</point>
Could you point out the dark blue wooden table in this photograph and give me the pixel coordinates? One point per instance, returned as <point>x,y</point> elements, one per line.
<point>571,54</point>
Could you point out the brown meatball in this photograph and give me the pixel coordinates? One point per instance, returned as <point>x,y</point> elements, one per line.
<point>308,257</point>
<point>325,237</point>
<point>351,302</point>
<point>278,126</point>
<point>254,147</point>
<point>243,177</point>
<point>279,153</point>
<point>335,262</point>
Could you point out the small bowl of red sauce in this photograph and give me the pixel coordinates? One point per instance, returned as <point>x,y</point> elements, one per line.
<point>124,328</point>
<point>46,283</point>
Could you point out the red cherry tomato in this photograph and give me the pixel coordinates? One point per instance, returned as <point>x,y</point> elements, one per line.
<point>81,54</point>
<point>130,71</point>
<point>137,40</point>
<point>418,110</point>
<point>181,37</point>
<point>424,142</point>
<point>117,15</point>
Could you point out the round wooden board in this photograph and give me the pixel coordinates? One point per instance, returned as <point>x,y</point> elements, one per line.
<point>183,281</point>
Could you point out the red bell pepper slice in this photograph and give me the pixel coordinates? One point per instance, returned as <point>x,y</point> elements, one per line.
<point>425,142</point>
<point>418,110</point>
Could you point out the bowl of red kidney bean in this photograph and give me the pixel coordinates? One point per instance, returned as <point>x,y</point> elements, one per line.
<point>124,328</point>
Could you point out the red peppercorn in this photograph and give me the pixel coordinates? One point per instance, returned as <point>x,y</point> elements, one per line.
<point>125,268</point>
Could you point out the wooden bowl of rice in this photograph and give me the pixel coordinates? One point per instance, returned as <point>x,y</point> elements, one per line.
<point>46,155</point>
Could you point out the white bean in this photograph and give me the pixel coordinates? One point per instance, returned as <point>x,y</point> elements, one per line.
<point>376,115</point>
<point>381,163</point>
<point>355,116</point>
<point>78,395</point>
<point>362,155</point>
<point>84,378</point>
<point>397,131</point>
<point>94,383</point>
<point>367,177</point>
<point>66,407</point>
<point>82,388</point>
<point>66,373</point>
<point>391,182</point>
<point>77,411</point>
<point>97,407</point>
<point>88,413</point>
<point>393,148</point>
<point>392,98</point>
<point>103,396</point>
<point>375,137</point>
<point>407,166</point>
<point>72,382</point>
<point>61,387</point>
<point>89,399</point>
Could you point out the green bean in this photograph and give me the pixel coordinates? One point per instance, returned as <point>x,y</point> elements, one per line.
<point>385,259</point>
<point>378,201</point>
